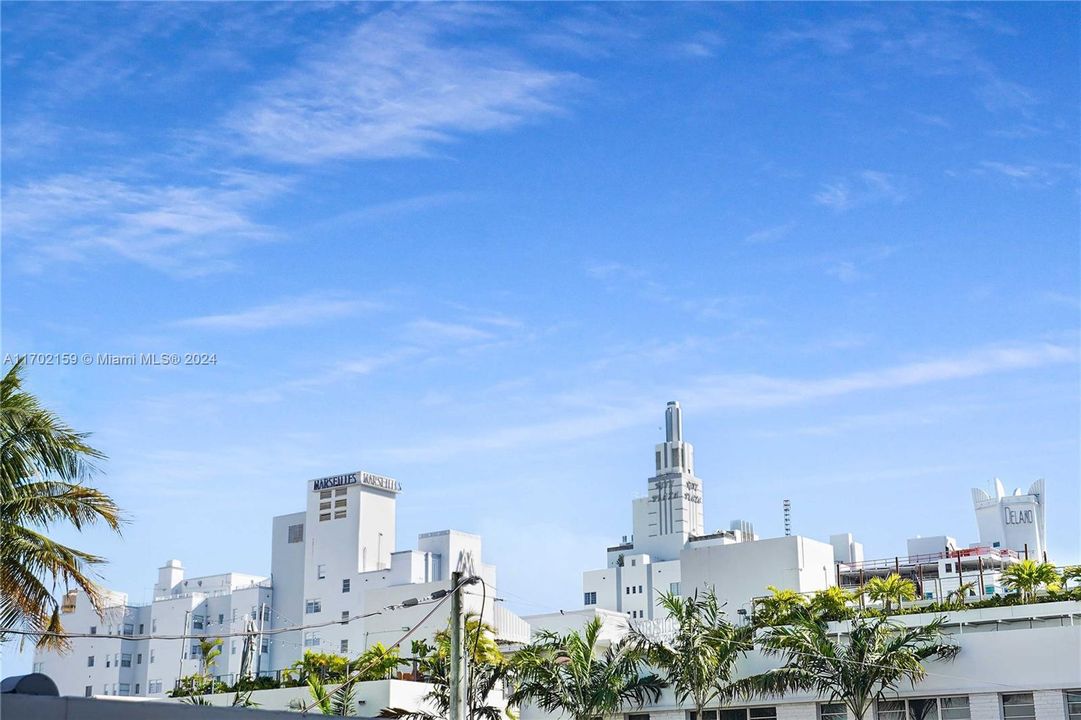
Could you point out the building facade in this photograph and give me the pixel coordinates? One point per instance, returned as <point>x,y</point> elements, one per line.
<point>334,566</point>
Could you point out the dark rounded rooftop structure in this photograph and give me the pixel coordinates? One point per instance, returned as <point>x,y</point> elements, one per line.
<point>32,684</point>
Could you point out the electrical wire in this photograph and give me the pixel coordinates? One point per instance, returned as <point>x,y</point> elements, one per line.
<point>355,675</point>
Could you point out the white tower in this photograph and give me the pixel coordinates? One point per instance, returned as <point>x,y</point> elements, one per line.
<point>1012,522</point>
<point>672,511</point>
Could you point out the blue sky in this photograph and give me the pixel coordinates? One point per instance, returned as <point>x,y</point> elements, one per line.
<point>477,248</point>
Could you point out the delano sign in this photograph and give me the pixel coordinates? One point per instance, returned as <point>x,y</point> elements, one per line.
<point>379,482</point>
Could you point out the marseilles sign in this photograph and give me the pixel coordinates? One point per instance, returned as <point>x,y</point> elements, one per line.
<point>363,478</point>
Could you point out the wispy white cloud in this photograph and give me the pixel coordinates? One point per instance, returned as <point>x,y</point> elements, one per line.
<point>1041,174</point>
<point>396,86</point>
<point>433,331</point>
<point>743,391</point>
<point>306,310</point>
<point>181,229</point>
<point>865,187</point>
<point>769,234</point>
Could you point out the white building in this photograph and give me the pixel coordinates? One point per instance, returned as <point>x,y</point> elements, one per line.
<point>1020,662</point>
<point>334,565</point>
<point>670,550</point>
<point>1015,522</point>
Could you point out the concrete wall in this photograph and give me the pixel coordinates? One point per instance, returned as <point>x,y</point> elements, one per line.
<point>36,707</point>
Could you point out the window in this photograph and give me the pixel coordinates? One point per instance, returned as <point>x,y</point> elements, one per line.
<point>38,667</point>
<point>673,588</point>
<point>832,711</point>
<point>264,646</point>
<point>128,629</point>
<point>108,662</point>
<point>339,492</point>
<point>197,622</point>
<point>125,660</point>
<point>638,716</point>
<point>311,639</point>
<point>221,619</point>
<point>93,629</point>
<point>763,713</point>
<point>136,688</point>
<point>324,495</point>
<point>324,516</point>
<point>320,571</point>
<point>312,606</point>
<point>141,626</point>
<point>590,598</point>
<point>706,715</point>
<point>345,585</point>
<point>343,647</point>
<point>639,588</point>
<point>195,650</point>
<point>339,503</point>
<point>339,514</point>
<point>88,690</point>
<point>923,709</point>
<point>125,689</point>
<point>152,655</point>
<point>1073,704</point>
<point>139,659</point>
<point>153,626</point>
<point>324,505</point>
<point>633,563</point>
<point>153,687</point>
<point>232,648</point>
<point>891,710</point>
<point>734,714</point>
<point>955,708</point>
<point>296,533</point>
<point>345,616</point>
<point>1019,706</point>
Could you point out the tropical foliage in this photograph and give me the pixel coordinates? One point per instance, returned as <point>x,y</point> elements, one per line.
<point>376,663</point>
<point>1028,576</point>
<point>44,466</point>
<point>699,658</point>
<point>832,603</point>
<point>869,665</point>
<point>488,671</point>
<point>574,676</point>
<point>889,590</point>
<point>340,701</point>
<point>779,607</point>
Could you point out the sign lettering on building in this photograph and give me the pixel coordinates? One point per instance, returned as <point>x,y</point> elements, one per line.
<point>379,482</point>
<point>1018,517</point>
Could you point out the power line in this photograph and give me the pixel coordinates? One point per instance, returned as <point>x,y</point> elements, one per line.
<point>205,636</point>
<point>355,675</point>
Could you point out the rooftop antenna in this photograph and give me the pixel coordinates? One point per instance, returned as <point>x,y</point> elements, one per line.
<point>787,517</point>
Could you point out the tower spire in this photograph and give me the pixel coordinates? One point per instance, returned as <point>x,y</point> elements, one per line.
<point>673,423</point>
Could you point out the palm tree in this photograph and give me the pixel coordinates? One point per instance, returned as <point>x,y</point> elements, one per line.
<point>1028,576</point>
<point>43,466</point>
<point>570,675</point>
<point>960,595</point>
<point>699,658</point>
<point>892,588</point>
<point>487,671</point>
<point>831,603</point>
<point>341,701</point>
<point>209,650</point>
<point>778,608</point>
<point>869,666</point>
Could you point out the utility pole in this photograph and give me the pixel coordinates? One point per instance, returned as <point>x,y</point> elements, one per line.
<point>457,650</point>
<point>259,644</point>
